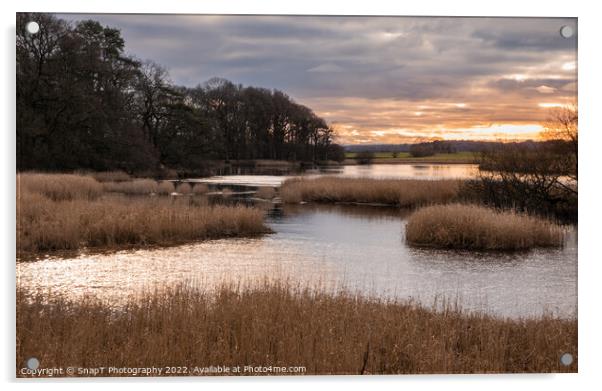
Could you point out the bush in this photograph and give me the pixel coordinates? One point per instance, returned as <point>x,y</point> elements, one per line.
<point>422,150</point>
<point>364,157</point>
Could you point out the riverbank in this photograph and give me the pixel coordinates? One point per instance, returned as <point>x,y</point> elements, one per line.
<point>58,212</point>
<point>351,158</point>
<point>281,325</point>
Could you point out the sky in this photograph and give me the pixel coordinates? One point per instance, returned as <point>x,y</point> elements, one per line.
<point>377,79</point>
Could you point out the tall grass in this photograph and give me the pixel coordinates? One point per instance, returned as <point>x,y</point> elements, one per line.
<point>111,176</point>
<point>139,187</point>
<point>402,192</point>
<point>46,225</point>
<point>184,188</point>
<point>480,228</point>
<point>279,325</point>
<point>59,187</point>
<point>200,188</point>
<point>265,192</point>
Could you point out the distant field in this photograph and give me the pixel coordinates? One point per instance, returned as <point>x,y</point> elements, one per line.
<point>401,156</point>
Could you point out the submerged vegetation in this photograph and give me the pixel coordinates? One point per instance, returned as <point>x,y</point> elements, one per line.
<point>279,325</point>
<point>399,192</point>
<point>69,212</point>
<point>479,228</point>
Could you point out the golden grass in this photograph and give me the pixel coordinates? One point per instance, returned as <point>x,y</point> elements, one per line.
<point>134,187</point>
<point>45,225</point>
<point>200,188</point>
<point>480,228</point>
<point>70,212</point>
<point>111,176</point>
<point>266,192</point>
<point>140,187</point>
<point>184,188</point>
<point>227,192</point>
<point>276,325</point>
<point>402,192</point>
<point>59,187</point>
<point>165,188</point>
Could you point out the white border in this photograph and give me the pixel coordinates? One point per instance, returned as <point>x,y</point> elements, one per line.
<point>589,217</point>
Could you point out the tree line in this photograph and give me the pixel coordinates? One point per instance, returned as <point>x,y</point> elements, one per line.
<point>82,103</point>
<point>535,177</point>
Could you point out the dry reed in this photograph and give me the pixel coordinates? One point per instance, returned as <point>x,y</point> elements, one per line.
<point>134,187</point>
<point>200,188</point>
<point>111,176</point>
<point>276,325</point>
<point>46,225</point>
<point>480,228</point>
<point>402,192</point>
<point>59,187</point>
<point>165,188</point>
<point>184,188</point>
<point>266,193</point>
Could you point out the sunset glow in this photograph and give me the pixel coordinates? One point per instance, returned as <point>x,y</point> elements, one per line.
<point>381,79</point>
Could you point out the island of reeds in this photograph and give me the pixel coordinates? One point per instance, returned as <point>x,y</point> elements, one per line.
<point>71,212</point>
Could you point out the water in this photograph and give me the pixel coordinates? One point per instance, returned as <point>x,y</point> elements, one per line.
<point>360,248</point>
<point>389,171</point>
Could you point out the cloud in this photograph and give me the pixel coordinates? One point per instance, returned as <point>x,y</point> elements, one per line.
<point>372,74</point>
<point>328,67</point>
<point>545,89</point>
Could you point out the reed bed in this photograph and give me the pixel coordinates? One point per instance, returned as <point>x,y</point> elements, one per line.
<point>47,225</point>
<point>265,192</point>
<point>282,326</point>
<point>473,227</point>
<point>165,188</point>
<point>401,192</point>
<point>59,187</point>
<point>184,188</point>
<point>139,187</point>
<point>200,188</point>
<point>111,176</point>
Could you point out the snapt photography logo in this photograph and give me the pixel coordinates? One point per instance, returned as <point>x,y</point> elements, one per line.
<point>32,369</point>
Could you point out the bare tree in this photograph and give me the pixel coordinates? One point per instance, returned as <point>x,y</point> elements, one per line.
<point>563,127</point>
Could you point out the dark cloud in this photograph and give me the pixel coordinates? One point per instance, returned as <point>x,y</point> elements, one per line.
<point>325,61</point>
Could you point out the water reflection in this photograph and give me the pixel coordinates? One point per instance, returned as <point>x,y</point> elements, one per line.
<point>389,171</point>
<point>361,248</point>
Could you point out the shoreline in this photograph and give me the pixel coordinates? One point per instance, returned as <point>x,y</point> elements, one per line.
<point>353,162</point>
<point>382,337</point>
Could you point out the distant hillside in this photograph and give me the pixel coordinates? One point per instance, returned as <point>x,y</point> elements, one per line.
<point>448,146</point>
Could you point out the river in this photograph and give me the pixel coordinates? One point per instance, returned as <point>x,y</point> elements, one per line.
<point>358,248</point>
